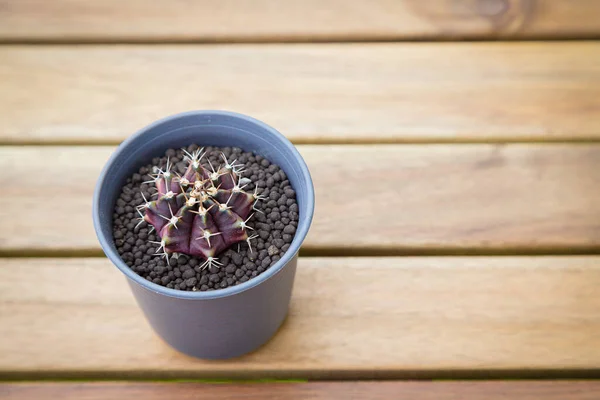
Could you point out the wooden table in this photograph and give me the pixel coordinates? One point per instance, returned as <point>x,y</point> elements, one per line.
<point>471,252</point>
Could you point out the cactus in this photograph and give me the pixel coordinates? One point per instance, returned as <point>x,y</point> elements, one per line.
<point>202,212</point>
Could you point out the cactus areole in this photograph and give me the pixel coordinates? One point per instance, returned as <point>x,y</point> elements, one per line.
<point>202,212</point>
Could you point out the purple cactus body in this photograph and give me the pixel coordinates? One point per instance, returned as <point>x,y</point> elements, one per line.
<point>200,213</point>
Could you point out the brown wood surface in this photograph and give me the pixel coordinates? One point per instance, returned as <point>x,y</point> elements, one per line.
<point>312,93</point>
<point>308,20</point>
<point>397,199</point>
<point>456,190</point>
<point>354,318</point>
<point>519,390</point>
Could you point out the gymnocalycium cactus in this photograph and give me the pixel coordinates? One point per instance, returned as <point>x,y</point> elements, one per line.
<point>200,213</point>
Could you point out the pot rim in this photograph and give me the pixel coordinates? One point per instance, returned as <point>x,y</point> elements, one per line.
<point>299,237</point>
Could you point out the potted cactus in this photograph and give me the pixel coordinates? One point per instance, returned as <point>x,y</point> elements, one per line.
<point>207,236</point>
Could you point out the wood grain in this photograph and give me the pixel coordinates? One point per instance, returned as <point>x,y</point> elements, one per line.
<point>416,92</point>
<point>521,390</point>
<point>434,198</point>
<point>309,20</point>
<point>349,318</point>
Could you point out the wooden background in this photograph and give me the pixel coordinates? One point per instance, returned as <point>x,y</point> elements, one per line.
<point>471,127</point>
<point>309,20</point>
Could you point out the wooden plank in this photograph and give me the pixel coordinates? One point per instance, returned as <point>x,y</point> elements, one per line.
<point>491,390</point>
<point>415,198</point>
<point>349,318</point>
<point>416,92</point>
<point>309,20</point>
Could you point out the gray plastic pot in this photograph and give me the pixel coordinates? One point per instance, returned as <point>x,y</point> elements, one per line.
<point>227,322</point>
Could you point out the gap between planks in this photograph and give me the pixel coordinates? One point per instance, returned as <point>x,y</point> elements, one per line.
<point>288,40</point>
<point>332,252</point>
<point>300,375</point>
<point>365,141</point>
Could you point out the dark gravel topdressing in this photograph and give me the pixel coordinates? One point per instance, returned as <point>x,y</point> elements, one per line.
<point>275,226</point>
